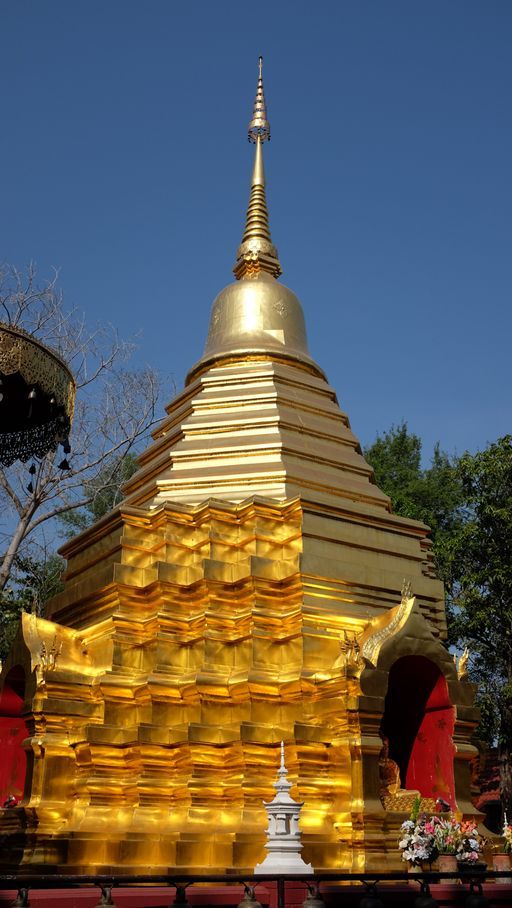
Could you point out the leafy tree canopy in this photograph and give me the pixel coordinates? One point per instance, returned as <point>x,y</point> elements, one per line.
<point>35,581</point>
<point>480,608</point>
<point>433,494</point>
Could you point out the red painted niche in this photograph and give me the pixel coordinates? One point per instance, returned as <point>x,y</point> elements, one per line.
<point>13,731</point>
<point>418,722</point>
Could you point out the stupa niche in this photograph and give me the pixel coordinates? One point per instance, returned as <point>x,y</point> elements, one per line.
<point>248,590</point>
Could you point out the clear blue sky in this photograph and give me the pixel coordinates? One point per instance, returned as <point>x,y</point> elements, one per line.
<point>124,162</point>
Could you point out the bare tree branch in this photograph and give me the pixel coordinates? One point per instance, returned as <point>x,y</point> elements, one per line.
<point>6,486</point>
<point>114,412</point>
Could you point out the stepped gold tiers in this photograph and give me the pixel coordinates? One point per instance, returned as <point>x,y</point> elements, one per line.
<point>247,591</point>
<point>260,426</point>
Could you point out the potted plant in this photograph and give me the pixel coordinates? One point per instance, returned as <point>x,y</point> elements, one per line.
<point>417,838</point>
<point>469,847</point>
<point>501,857</point>
<point>507,835</point>
<point>447,838</point>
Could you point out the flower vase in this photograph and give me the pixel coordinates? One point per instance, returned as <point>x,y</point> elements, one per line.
<point>413,868</point>
<point>420,867</point>
<point>447,863</point>
<point>501,862</point>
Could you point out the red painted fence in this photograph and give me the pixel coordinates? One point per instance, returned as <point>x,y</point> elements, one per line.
<point>345,890</point>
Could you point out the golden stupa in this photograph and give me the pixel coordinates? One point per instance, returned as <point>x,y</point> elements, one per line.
<point>254,586</point>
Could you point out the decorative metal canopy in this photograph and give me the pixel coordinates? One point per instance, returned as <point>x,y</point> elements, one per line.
<point>37,396</point>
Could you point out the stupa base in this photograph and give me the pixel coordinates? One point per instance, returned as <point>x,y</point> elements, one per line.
<point>282,863</point>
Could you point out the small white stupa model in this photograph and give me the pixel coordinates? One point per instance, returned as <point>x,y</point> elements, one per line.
<point>283,834</point>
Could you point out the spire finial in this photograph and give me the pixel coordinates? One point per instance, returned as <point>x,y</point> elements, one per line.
<point>259,127</point>
<point>283,765</point>
<point>257,253</point>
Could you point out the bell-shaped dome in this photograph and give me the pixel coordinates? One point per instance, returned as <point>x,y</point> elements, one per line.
<point>256,316</point>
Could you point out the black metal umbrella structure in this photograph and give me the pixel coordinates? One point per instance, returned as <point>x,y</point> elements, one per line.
<point>37,396</point>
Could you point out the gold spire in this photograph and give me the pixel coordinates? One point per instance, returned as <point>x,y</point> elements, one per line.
<point>257,253</point>
<point>259,127</point>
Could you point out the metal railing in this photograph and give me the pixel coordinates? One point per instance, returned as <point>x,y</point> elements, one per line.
<point>470,886</point>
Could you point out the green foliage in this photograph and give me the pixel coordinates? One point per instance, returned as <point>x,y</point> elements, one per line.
<point>38,581</point>
<point>433,495</point>
<point>396,460</point>
<point>10,610</point>
<point>415,809</point>
<point>484,550</point>
<point>104,492</point>
<point>35,583</point>
<point>481,605</point>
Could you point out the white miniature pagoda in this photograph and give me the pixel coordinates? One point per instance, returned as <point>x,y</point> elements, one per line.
<point>283,834</point>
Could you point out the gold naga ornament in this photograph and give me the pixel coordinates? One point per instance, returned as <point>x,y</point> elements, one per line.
<point>248,590</point>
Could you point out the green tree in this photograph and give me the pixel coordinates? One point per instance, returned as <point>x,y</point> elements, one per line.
<point>35,581</point>
<point>11,607</point>
<point>481,600</point>
<point>432,494</point>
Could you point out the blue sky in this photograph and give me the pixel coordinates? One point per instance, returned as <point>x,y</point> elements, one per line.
<point>124,162</point>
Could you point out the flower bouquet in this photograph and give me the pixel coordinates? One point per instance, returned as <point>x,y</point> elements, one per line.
<point>417,841</point>
<point>503,853</point>
<point>447,835</point>
<point>425,838</point>
<point>469,846</point>
<point>447,841</point>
